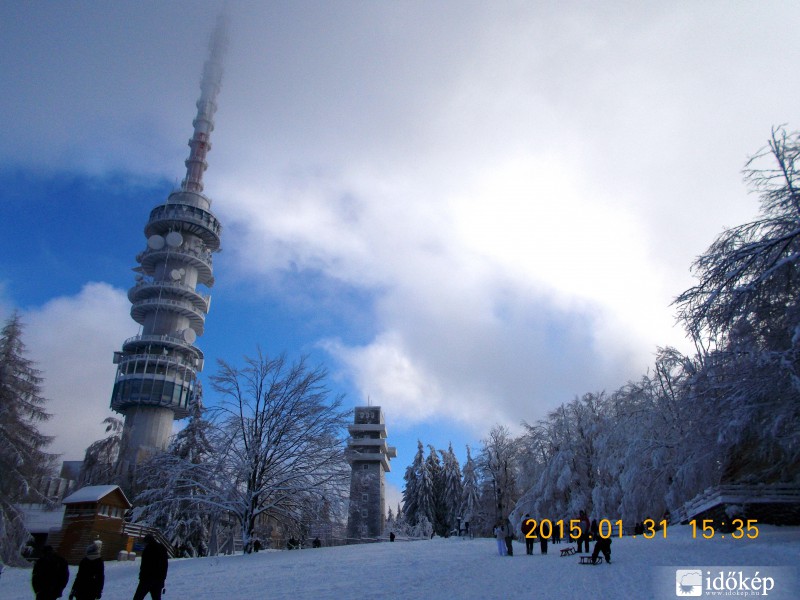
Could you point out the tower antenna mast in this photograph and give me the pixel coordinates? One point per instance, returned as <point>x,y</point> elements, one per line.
<point>203,123</point>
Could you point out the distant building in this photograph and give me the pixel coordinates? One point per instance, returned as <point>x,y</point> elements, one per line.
<point>369,457</point>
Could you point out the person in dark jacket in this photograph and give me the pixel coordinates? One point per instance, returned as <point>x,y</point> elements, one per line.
<point>88,584</point>
<point>527,528</point>
<point>153,570</point>
<point>543,543</point>
<point>602,545</point>
<point>50,575</point>
<point>583,540</point>
<point>509,538</point>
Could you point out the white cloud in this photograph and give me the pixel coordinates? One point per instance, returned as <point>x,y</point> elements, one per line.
<point>394,497</point>
<point>72,339</point>
<point>520,188</point>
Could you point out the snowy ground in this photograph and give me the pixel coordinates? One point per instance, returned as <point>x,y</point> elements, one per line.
<point>457,568</point>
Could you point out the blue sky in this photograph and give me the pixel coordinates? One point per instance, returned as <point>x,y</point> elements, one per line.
<point>469,212</point>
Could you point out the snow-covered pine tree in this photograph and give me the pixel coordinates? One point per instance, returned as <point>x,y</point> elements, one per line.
<point>411,490</point>
<point>401,526</point>
<point>426,495</point>
<point>389,518</point>
<point>439,515</point>
<point>451,493</point>
<point>193,442</point>
<point>100,459</point>
<point>22,446</point>
<point>423,528</point>
<point>470,493</point>
<point>171,483</point>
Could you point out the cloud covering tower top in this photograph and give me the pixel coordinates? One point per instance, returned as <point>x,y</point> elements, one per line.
<point>210,86</point>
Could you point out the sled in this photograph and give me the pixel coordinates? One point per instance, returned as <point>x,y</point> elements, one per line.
<point>568,551</point>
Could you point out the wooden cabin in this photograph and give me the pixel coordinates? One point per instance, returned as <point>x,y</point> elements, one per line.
<point>92,513</point>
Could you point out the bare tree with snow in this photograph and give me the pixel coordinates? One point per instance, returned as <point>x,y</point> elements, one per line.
<point>498,465</point>
<point>744,315</point>
<point>282,444</point>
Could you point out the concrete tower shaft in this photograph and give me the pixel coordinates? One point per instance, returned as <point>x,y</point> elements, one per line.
<point>157,369</point>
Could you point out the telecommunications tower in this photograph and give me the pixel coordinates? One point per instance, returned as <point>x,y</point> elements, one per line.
<point>157,369</point>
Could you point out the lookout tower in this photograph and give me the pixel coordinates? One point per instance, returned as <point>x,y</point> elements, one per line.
<point>369,457</point>
<point>157,369</point>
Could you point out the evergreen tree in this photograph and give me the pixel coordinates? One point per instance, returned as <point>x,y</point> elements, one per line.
<point>438,518</point>
<point>470,492</point>
<point>171,481</point>
<point>452,489</point>
<point>192,443</point>
<point>22,447</point>
<point>426,494</point>
<point>100,459</point>
<point>401,525</point>
<point>411,490</point>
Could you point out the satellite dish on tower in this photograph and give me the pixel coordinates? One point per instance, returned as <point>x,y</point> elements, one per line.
<point>155,242</point>
<point>174,239</point>
<point>175,274</point>
<point>189,336</point>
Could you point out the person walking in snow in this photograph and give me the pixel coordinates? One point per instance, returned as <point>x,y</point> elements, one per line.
<point>527,528</point>
<point>500,535</point>
<point>88,584</point>
<point>153,570</point>
<point>50,575</point>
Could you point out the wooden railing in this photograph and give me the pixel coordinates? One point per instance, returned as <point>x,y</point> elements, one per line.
<point>736,494</point>
<point>139,531</point>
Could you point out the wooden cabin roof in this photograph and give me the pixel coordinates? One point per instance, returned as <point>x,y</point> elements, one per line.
<point>95,493</point>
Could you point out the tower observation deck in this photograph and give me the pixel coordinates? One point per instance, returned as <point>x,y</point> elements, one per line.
<point>157,369</point>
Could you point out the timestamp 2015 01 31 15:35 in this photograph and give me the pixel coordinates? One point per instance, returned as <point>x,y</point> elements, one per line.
<point>545,528</point>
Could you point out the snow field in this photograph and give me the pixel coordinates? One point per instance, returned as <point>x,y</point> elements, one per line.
<point>444,569</point>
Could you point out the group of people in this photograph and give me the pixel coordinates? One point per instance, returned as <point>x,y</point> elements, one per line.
<point>503,534</point>
<point>51,573</point>
<point>588,532</point>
